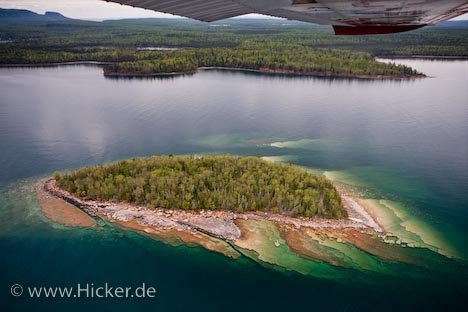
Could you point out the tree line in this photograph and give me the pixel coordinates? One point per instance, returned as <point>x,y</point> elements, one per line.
<point>292,58</point>
<point>210,182</point>
<point>274,57</point>
<point>83,35</point>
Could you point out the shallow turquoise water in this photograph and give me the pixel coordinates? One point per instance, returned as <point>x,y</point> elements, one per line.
<point>405,142</point>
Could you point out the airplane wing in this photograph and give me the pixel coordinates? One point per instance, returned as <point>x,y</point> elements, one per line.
<point>348,17</point>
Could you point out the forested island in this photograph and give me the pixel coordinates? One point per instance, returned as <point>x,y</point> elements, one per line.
<point>237,206</point>
<point>267,58</point>
<point>228,183</point>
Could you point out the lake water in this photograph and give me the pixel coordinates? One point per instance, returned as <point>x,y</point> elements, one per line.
<point>402,143</point>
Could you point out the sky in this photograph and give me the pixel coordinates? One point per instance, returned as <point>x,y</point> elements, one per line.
<point>91,9</point>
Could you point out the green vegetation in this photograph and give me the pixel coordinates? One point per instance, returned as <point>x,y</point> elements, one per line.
<point>209,182</point>
<point>14,55</point>
<point>292,59</point>
<point>250,44</point>
<point>296,59</point>
<point>80,36</point>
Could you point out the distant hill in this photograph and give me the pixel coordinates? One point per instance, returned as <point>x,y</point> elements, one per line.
<point>12,16</point>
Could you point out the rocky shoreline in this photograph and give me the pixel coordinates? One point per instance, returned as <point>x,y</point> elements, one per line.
<point>217,224</point>
<point>61,211</point>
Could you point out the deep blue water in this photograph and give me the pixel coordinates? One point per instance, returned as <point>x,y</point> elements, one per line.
<point>406,141</point>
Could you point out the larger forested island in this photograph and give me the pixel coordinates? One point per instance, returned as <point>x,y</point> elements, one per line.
<point>227,183</point>
<point>289,59</point>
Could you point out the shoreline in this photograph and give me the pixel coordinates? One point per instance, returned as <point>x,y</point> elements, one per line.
<point>216,223</point>
<point>264,71</point>
<point>269,71</point>
<point>61,211</point>
<point>263,237</point>
<point>423,57</point>
<point>108,74</point>
<point>56,64</point>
